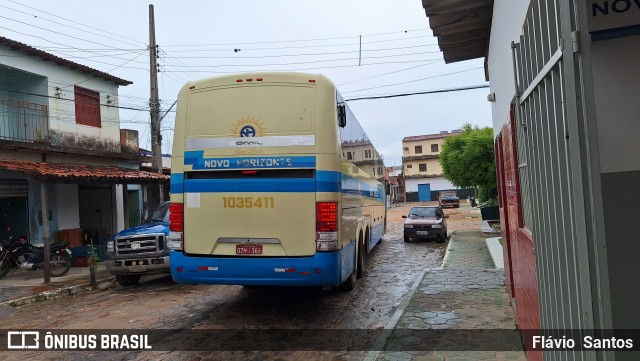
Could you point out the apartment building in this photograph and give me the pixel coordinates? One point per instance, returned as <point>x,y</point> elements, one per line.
<point>421,166</point>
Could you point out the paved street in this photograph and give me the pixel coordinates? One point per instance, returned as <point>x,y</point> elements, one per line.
<point>157,303</point>
<point>407,307</point>
<point>466,300</point>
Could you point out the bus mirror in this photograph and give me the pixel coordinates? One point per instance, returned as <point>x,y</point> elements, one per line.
<point>342,115</point>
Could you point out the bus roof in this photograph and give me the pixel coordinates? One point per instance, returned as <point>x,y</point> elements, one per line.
<point>265,77</point>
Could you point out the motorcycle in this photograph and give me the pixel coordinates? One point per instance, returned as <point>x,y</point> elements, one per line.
<point>26,256</point>
<point>472,201</point>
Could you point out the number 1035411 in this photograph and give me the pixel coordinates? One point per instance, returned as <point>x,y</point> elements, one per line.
<point>248,202</point>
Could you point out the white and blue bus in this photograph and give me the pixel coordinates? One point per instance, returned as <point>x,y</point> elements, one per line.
<point>273,182</point>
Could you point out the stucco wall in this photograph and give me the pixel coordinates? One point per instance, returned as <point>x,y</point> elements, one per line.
<point>437,184</point>
<point>409,148</point>
<point>615,67</point>
<point>67,202</point>
<point>433,167</point>
<point>60,89</point>
<point>616,87</point>
<point>508,17</point>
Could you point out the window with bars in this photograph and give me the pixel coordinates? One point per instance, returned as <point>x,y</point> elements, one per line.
<point>87,107</point>
<point>434,148</point>
<point>422,167</point>
<point>418,149</point>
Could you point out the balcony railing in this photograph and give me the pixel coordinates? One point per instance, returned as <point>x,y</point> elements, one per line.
<point>23,121</point>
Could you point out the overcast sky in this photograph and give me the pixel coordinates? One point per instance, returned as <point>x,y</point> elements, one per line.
<point>198,39</point>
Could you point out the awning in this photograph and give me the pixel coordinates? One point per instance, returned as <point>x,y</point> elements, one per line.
<point>63,172</point>
<point>462,27</point>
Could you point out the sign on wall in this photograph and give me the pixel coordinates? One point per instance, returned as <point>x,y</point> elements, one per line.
<point>613,18</point>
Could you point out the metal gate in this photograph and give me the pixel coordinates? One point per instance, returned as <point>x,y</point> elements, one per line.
<point>548,151</point>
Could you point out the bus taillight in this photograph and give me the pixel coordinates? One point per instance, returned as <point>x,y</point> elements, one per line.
<point>176,226</point>
<point>326,226</point>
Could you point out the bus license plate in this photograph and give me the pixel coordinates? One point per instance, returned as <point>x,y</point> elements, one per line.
<point>249,249</point>
<point>422,233</point>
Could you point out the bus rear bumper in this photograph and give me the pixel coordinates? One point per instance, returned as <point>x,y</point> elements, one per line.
<point>321,269</point>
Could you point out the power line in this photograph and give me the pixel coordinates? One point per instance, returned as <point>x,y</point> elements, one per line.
<point>35,36</point>
<point>293,41</point>
<point>74,56</point>
<point>301,69</point>
<point>55,32</point>
<point>71,100</point>
<point>306,54</point>
<point>311,61</point>
<point>307,46</point>
<point>75,22</point>
<point>391,72</point>
<point>419,93</point>
<point>69,26</point>
<point>373,97</point>
<point>412,81</point>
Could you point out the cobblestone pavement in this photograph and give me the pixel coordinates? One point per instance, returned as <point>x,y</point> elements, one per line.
<point>9,293</point>
<point>465,294</point>
<point>392,268</point>
<point>459,312</point>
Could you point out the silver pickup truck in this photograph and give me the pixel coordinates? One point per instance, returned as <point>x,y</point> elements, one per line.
<point>140,250</point>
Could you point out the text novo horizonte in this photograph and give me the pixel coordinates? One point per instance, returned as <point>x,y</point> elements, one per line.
<point>248,163</point>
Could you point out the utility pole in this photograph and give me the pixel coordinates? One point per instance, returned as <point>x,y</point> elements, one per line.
<point>154,103</point>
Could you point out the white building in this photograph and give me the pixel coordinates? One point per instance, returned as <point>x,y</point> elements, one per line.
<point>60,132</point>
<point>423,175</point>
<point>564,98</point>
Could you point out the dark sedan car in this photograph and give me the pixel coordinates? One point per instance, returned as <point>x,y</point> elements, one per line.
<point>425,222</point>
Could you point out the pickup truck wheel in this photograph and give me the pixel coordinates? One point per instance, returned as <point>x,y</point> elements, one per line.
<point>128,280</point>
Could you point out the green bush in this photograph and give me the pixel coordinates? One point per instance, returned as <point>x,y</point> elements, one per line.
<point>492,202</point>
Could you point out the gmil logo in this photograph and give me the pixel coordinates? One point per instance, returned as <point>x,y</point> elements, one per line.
<point>23,340</point>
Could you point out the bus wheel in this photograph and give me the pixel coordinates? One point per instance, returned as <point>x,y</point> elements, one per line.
<point>348,284</point>
<point>361,262</point>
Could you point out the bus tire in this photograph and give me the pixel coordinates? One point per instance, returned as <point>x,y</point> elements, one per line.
<point>348,284</point>
<point>361,261</point>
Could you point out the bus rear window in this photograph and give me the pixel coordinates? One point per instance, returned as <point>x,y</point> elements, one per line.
<point>267,109</point>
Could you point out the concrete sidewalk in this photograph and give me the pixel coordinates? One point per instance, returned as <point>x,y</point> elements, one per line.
<point>458,312</point>
<point>20,287</point>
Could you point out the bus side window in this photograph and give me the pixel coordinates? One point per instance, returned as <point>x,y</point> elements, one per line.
<point>342,115</point>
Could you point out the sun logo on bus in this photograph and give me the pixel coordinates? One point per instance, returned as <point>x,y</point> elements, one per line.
<point>248,127</point>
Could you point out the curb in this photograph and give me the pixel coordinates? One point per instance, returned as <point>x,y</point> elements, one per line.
<point>382,339</point>
<point>101,285</point>
<point>495,250</point>
<point>446,253</point>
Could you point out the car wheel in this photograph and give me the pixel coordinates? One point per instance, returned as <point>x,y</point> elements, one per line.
<point>442,239</point>
<point>406,238</point>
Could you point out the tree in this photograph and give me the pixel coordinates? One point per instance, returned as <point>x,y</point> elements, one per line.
<point>468,160</point>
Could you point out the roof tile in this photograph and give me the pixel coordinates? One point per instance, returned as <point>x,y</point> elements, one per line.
<point>82,172</point>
